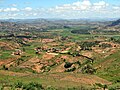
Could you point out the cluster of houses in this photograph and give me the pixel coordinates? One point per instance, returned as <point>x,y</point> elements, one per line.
<point>17,52</point>
<point>50,50</point>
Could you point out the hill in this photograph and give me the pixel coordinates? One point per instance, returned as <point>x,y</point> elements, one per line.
<point>115,23</point>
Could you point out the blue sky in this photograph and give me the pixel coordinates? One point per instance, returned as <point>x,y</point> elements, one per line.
<point>20,9</point>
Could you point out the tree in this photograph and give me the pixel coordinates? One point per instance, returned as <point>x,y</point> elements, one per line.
<point>88,69</point>
<point>68,64</point>
<point>18,84</point>
<point>4,67</point>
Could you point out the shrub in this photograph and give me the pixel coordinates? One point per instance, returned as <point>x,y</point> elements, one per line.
<point>101,85</point>
<point>1,88</point>
<point>68,64</point>
<point>105,45</point>
<point>80,88</point>
<point>4,67</point>
<point>88,69</point>
<point>33,86</point>
<point>18,84</point>
<point>78,62</point>
<point>114,86</point>
<point>50,88</point>
<point>70,69</point>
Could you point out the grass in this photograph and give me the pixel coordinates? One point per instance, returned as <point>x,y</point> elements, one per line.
<point>42,78</point>
<point>5,54</point>
<point>111,69</point>
<point>48,79</point>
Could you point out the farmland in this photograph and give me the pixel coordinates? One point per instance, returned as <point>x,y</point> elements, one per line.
<point>55,57</point>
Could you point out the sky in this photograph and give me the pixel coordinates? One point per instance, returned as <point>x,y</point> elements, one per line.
<point>66,9</point>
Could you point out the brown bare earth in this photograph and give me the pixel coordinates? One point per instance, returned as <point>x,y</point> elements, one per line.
<point>86,79</point>
<point>87,53</point>
<point>10,73</point>
<point>8,61</point>
<point>1,63</point>
<point>8,46</point>
<point>30,62</point>
<point>47,40</point>
<point>75,78</point>
<point>59,68</point>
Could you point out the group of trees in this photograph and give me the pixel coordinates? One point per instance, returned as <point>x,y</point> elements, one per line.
<point>106,32</point>
<point>22,86</point>
<point>83,30</point>
<point>80,31</point>
<point>88,69</point>
<point>88,45</point>
<point>105,45</point>
<point>37,86</point>
<point>117,40</point>
<point>70,67</point>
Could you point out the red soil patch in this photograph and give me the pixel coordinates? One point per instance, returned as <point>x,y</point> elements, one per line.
<point>12,73</point>
<point>64,57</point>
<point>69,44</point>
<point>8,61</point>
<point>9,46</point>
<point>85,79</point>
<point>48,56</point>
<point>70,58</point>
<point>1,63</point>
<point>34,60</point>
<point>59,68</point>
<point>88,54</point>
<point>47,40</point>
<point>30,62</point>
<point>37,68</point>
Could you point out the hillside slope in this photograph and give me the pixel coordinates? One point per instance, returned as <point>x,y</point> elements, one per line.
<point>115,23</point>
<point>110,67</point>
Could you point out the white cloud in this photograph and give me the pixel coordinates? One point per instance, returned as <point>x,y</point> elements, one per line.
<point>1,10</point>
<point>14,5</point>
<point>35,14</point>
<point>7,10</point>
<point>116,7</point>
<point>10,9</point>
<point>28,9</point>
<point>14,9</point>
<point>79,9</point>
<point>100,5</point>
<point>85,5</point>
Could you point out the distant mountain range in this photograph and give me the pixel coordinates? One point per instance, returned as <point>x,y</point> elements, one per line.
<point>59,19</point>
<point>115,23</point>
<point>44,24</point>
